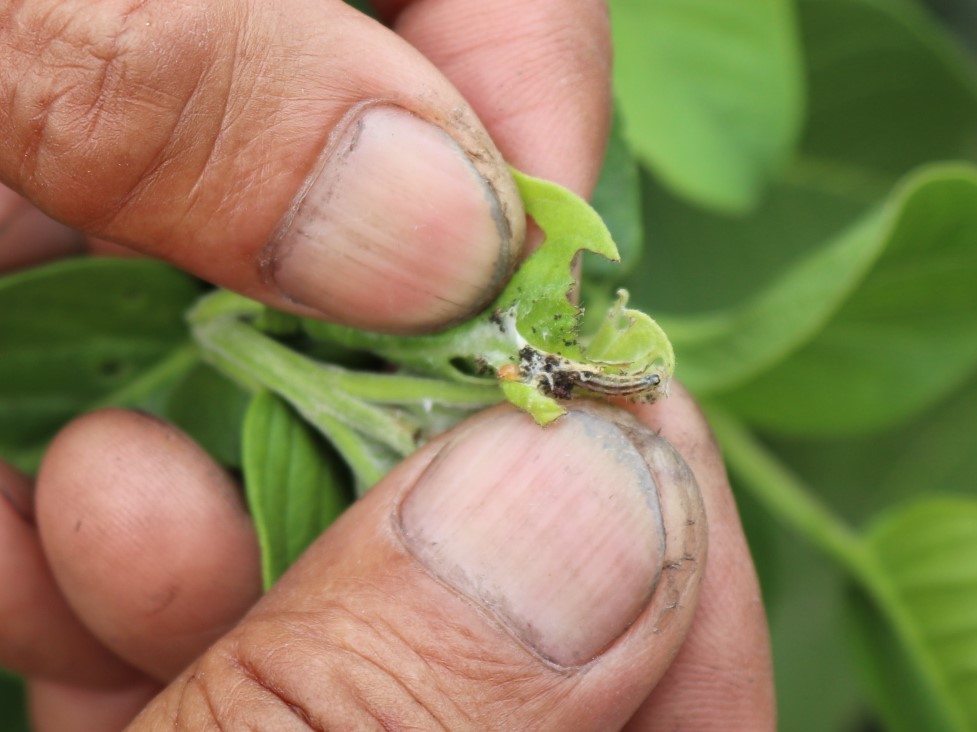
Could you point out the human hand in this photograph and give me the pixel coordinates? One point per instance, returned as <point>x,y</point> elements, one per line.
<point>142,533</point>
<point>498,579</point>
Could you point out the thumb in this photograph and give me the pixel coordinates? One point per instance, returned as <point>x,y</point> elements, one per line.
<point>297,152</point>
<point>504,577</point>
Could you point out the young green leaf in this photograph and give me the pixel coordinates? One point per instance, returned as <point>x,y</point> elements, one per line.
<point>628,336</point>
<point>710,92</point>
<point>926,554</point>
<point>863,475</point>
<point>530,336</point>
<point>83,333</point>
<point>294,482</point>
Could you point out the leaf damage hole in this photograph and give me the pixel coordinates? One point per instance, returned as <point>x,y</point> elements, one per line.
<point>112,368</point>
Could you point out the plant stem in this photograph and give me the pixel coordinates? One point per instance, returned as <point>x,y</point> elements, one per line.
<point>367,460</point>
<point>343,405</point>
<point>781,492</point>
<point>400,389</point>
<point>785,496</point>
<point>239,349</point>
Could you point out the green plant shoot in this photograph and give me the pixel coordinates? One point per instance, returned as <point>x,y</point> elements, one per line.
<point>530,339</point>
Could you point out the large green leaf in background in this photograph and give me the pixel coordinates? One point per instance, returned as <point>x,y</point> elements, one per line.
<point>959,17</point>
<point>805,605</point>
<point>888,88</point>
<point>860,476</point>
<point>927,555</point>
<point>722,349</point>
<point>699,260</point>
<point>617,198</point>
<point>82,333</point>
<point>293,480</point>
<point>710,92</point>
<point>906,335</point>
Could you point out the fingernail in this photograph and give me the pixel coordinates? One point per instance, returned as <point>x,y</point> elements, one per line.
<point>397,231</point>
<point>558,533</point>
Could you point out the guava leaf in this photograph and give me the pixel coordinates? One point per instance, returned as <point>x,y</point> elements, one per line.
<point>628,336</point>
<point>540,289</point>
<point>711,92</point>
<point>528,398</point>
<point>536,299</point>
<point>926,554</point>
<point>294,482</point>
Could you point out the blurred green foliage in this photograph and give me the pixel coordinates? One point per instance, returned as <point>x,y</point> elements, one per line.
<point>13,714</point>
<point>814,261</point>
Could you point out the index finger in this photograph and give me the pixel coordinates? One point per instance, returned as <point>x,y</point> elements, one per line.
<point>296,152</point>
<point>537,74</point>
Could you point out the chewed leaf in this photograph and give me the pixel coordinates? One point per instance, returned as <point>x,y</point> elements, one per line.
<point>629,337</point>
<point>529,338</point>
<point>541,287</point>
<point>530,399</point>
